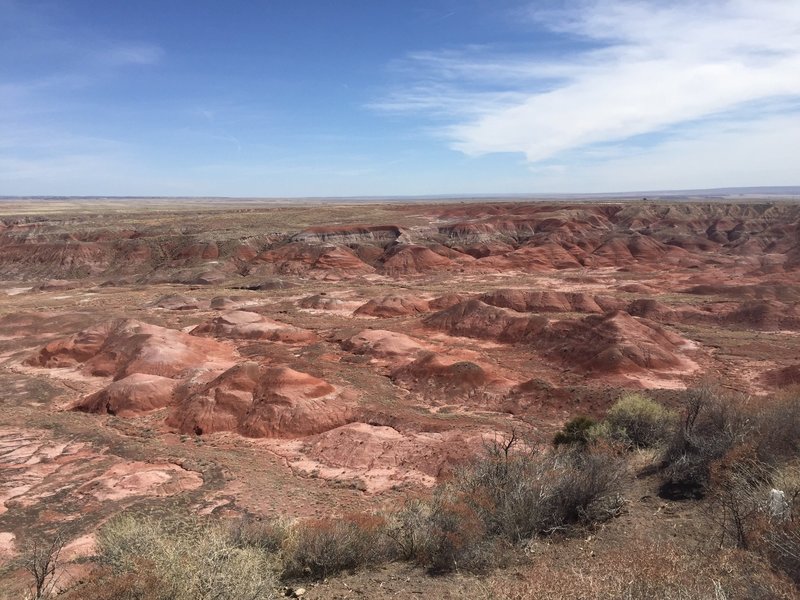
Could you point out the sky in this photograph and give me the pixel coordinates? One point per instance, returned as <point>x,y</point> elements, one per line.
<point>298,98</point>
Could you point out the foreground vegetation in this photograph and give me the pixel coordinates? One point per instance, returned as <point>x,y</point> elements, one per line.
<point>734,460</point>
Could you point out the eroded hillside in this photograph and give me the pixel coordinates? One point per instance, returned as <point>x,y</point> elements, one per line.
<point>296,360</point>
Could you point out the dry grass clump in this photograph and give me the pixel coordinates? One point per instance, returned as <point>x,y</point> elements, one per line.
<point>180,560</point>
<point>319,548</point>
<point>268,535</point>
<point>653,570</point>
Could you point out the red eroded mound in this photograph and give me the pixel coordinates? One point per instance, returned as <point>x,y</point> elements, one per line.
<point>539,301</point>
<point>434,375</point>
<point>135,394</point>
<point>383,457</point>
<point>300,257</point>
<point>393,306</point>
<point>228,302</point>
<point>543,257</point>
<point>447,301</point>
<point>614,343</point>
<point>637,288</point>
<point>477,319</point>
<point>766,314</point>
<point>244,325</point>
<point>650,308</point>
<point>123,347</point>
<point>177,302</point>
<point>259,401</point>
<point>784,377</point>
<point>383,344</point>
<point>321,302</point>
<point>408,259</point>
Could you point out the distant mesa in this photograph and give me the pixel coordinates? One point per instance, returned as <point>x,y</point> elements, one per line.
<point>350,234</point>
<point>529,237</point>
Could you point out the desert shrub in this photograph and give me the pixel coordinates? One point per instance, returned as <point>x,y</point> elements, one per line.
<point>188,559</point>
<point>106,584</point>
<point>455,538</point>
<point>476,518</point>
<point>739,495</point>
<point>781,544</point>
<point>408,528</point>
<point>777,533</point>
<point>40,560</point>
<point>576,432</point>
<point>639,422</point>
<point>319,548</point>
<point>268,535</point>
<point>713,423</point>
<point>778,431</point>
<point>507,498</point>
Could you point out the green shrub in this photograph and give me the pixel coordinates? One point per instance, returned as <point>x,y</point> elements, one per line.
<point>639,422</point>
<point>577,431</point>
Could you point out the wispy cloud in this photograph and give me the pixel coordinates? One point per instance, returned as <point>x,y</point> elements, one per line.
<point>48,76</point>
<point>122,53</point>
<point>650,66</point>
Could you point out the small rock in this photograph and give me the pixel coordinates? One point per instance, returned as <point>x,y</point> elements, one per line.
<point>778,507</point>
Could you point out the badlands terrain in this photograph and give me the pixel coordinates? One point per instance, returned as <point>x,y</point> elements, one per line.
<point>301,360</point>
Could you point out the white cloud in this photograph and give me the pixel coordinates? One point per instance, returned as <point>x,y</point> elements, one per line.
<point>653,65</point>
<point>714,154</point>
<point>131,54</point>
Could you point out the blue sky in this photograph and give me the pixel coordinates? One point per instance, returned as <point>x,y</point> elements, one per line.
<point>322,98</point>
